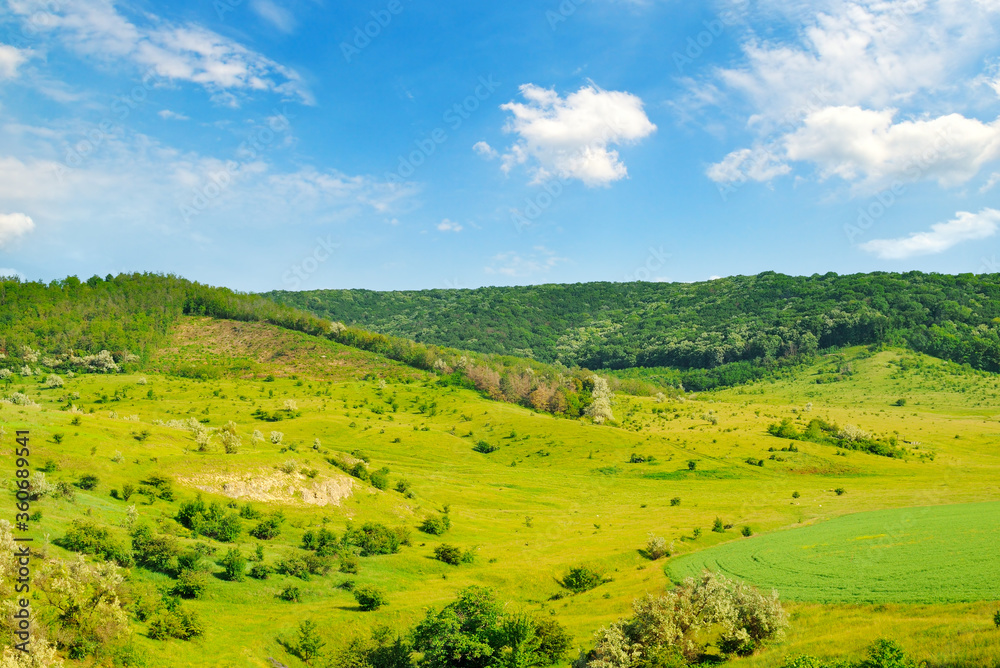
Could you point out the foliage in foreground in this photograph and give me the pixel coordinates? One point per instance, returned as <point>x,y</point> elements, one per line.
<point>676,626</point>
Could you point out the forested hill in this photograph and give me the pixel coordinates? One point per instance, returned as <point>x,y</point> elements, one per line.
<point>748,319</point>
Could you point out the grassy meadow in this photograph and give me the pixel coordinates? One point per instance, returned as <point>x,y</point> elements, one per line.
<point>556,493</point>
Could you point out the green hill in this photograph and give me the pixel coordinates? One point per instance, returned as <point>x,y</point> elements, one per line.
<point>759,321</point>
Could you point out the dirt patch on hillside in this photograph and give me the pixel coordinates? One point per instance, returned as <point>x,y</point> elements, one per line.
<point>270,486</point>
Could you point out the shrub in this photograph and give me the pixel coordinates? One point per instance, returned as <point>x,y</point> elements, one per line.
<point>40,487</point>
<point>88,482</point>
<point>248,512</point>
<point>656,547</point>
<point>840,491</point>
<point>212,520</point>
<point>190,584</point>
<point>676,501</point>
<point>887,654</point>
<point>175,623</point>
<point>996,619</point>
<point>349,564</point>
<point>128,489</point>
<point>323,542</point>
<point>151,551</point>
<point>718,526</point>
<point>260,571</point>
<point>53,381</point>
<point>485,448</point>
<point>795,495</point>
<point>370,597</point>
<point>269,528</point>
<point>276,437</point>
<point>402,485</point>
<point>436,526</point>
<point>373,538</point>
<point>290,593</point>
<point>581,579</point>
<point>89,538</point>
<point>380,479</point>
<point>449,554</point>
<point>747,531</point>
<point>692,464</point>
<point>234,565</point>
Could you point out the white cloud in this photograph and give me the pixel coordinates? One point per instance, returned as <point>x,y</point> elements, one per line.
<point>485,150</point>
<point>13,226</point>
<point>990,183</point>
<point>516,265</point>
<point>168,115</point>
<point>860,144</point>
<point>449,226</point>
<point>965,227</point>
<point>571,137</point>
<point>95,28</point>
<point>757,164</point>
<point>11,58</point>
<point>7,272</point>
<point>277,16</point>
<point>831,80</point>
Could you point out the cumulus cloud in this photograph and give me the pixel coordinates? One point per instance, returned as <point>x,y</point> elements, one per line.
<point>965,226</point>
<point>11,58</point>
<point>485,150</point>
<point>189,52</point>
<point>449,226</point>
<point>13,226</point>
<point>831,89</point>
<point>855,143</point>
<point>517,265</point>
<point>572,137</point>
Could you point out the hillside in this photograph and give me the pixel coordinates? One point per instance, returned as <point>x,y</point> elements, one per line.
<point>759,321</point>
<point>552,494</point>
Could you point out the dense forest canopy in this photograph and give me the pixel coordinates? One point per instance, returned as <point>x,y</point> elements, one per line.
<point>749,321</point>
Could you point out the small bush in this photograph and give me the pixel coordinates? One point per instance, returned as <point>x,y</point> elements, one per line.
<point>234,565</point>
<point>676,501</point>
<point>88,482</point>
<point>485,448</point>
<point>839,491</point>
<point>996,619</point>
<point>190,584</point>
<point>260,571</point>
<point>450,554</point>
<point>436,526</point>
<point>656,547</point>
<point>692,464</point>
<point>350,564</point>
<point>581,579</point>
<point>269,528</point>
<point>89,538</point>
<point>373,539</point>
<point>290,593</point>
<point>380,479</point>
<point>887,654</point>
<point>370,598</point>
<point>128,489</point>
<point>795,495</point>
<point>175,623</point>
<point>747,531</point>
<point>718,526</point>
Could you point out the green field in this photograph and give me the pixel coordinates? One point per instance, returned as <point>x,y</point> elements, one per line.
<point>555,494</point>
<point>935,554</point>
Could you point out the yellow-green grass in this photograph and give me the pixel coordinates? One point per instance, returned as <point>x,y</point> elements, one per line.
<point>933,554</point>
<point>586,503</point>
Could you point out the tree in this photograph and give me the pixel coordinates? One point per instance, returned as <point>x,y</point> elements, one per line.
<point>308,646</point>
<point>600,409</point>
<point>231,439</point>
<point>459,635</point>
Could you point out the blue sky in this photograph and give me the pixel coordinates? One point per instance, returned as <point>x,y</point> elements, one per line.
<point>273,144</point>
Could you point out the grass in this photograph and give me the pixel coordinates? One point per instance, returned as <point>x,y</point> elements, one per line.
<point>936,554</point>
<point>588,505</point>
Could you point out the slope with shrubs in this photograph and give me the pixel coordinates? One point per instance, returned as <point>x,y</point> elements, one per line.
<point>247,502</point>
<point>739,326</point>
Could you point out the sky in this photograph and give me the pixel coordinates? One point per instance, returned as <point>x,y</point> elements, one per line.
<point>405,144</point>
